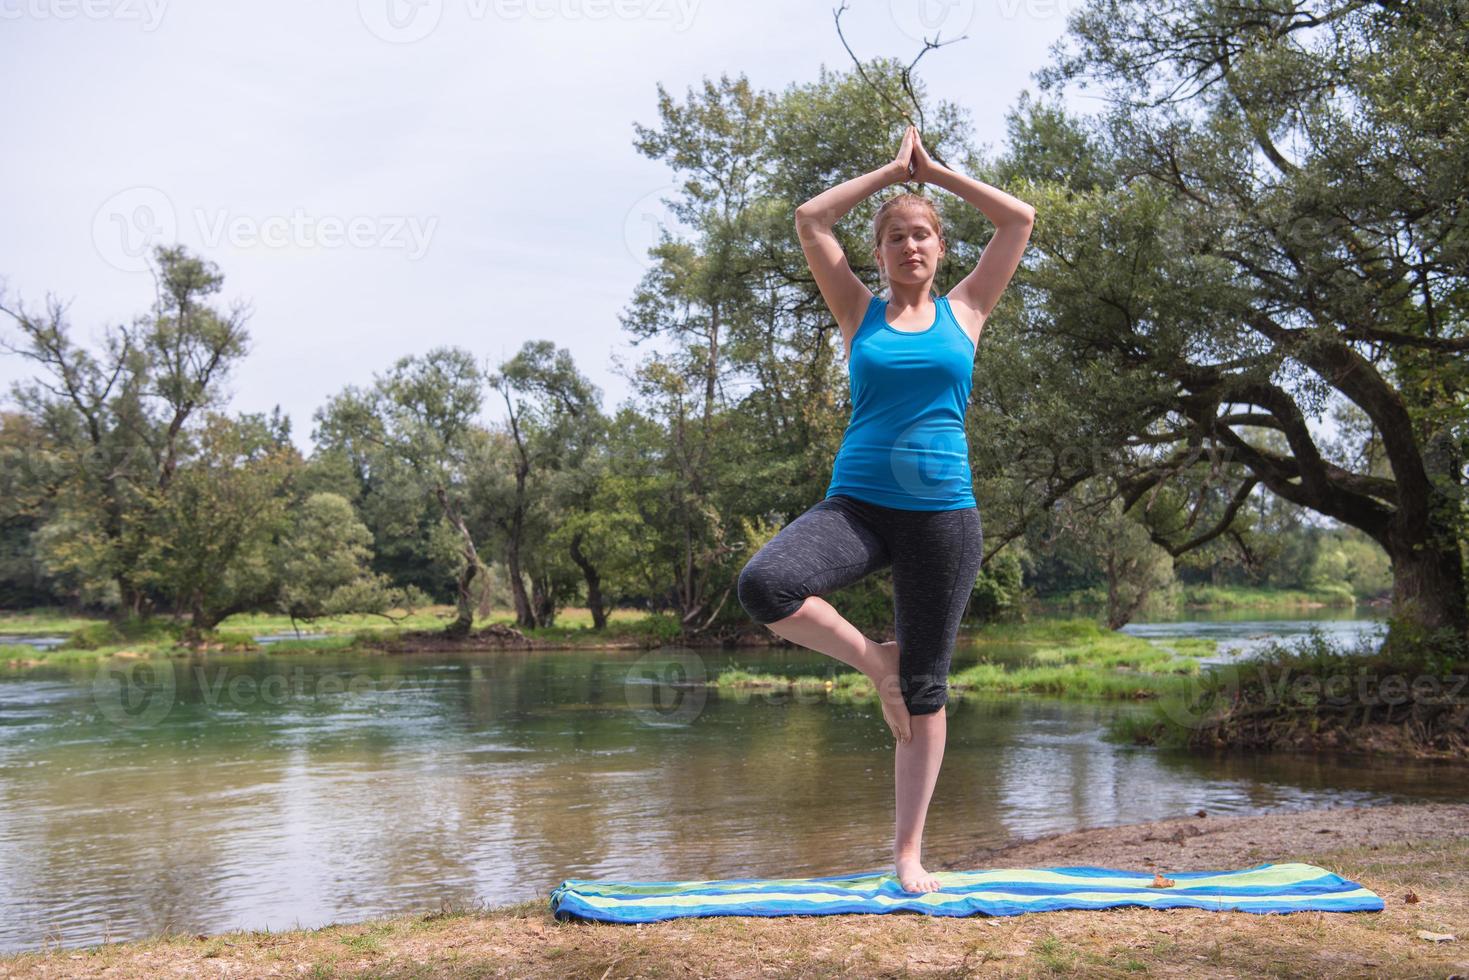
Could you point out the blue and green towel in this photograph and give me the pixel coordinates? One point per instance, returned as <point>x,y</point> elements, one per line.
<point>1271,888</point>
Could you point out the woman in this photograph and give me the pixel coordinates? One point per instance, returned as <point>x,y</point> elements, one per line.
<point>900,493</point>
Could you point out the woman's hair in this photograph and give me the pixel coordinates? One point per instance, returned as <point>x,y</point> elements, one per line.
<point>906,201</point>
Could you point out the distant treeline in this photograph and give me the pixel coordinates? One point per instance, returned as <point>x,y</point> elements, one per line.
<point>1234,354</point>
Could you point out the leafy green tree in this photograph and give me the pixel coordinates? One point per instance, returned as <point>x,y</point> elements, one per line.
<point>1133,568</point>
<point>117,423</point>
<point>28,478</point>
<point>701,295</point>
<point>631,500</point>
<point>552,422</point>
<point>322,564</point>
<point>387,495</point>
<point>416,424</point>
<point>216,526</point>
<point>1264,223</point>
<point>586,532</point>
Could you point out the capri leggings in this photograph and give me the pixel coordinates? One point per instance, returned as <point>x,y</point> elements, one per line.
<point>935,557</point>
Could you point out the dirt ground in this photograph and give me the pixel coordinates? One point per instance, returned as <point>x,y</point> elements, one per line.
<point>1206,843</point>
<point>1415,856</point>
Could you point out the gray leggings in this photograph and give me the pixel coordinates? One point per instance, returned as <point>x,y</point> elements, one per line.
<point>935,557</point>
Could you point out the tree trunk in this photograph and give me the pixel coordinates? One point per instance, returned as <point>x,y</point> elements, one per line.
<point>541,600</point>
<point>594,583</point>
<point>463,598</point>
<point>525,616</point>
<point>1428,603</point>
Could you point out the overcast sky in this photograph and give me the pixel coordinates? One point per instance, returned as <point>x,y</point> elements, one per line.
<point>381,177</point>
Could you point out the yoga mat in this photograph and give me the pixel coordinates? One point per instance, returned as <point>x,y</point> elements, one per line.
<point>1265,888</point>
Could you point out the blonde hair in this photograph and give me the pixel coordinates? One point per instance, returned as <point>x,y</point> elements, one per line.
<point>905,201</point>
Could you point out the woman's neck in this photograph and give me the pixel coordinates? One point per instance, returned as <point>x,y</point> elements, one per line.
<point>908,297</point>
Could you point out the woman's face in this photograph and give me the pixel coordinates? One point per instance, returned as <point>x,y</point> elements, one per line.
<point>910,249</point>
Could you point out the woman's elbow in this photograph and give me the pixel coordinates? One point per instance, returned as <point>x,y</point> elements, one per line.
<point>809,221</point>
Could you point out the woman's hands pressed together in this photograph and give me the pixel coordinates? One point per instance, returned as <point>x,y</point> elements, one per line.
<point>913,161</point>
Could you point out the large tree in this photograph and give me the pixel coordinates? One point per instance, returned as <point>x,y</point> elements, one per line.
<point>1267,222</point>
<point>114,425</point>
<point>417,425</point>
<point>551,420</point>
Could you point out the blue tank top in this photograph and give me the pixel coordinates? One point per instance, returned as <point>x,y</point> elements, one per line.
<point>905,445</point>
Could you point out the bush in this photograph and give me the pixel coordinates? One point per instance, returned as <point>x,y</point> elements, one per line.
<point>999,589</point>
<point>94,636</point>
<point>660,626</point>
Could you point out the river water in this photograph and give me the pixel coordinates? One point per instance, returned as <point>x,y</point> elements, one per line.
<point>276,791</point>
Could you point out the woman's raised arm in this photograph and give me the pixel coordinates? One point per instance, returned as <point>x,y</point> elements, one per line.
<point>846,295</point>
<point>1013,220</point>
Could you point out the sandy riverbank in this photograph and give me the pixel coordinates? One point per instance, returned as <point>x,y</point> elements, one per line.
<point>1212,842</point>
<point>1420,851</point>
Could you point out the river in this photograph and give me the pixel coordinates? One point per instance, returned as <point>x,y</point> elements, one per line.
<point>276,791</point>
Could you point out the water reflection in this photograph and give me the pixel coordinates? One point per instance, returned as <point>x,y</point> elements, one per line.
<point>276,791</point>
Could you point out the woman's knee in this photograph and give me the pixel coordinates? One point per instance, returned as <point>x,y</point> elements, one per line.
<point>925,689</point>
<point>764,593</point>
<point>928,704</point>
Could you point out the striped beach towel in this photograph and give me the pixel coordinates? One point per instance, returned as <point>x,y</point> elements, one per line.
<point>1266,888</point>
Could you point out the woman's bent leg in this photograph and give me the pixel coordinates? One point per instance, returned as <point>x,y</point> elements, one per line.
<point>826,548</point>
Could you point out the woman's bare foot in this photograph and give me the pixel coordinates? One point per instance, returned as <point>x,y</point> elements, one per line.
<point>889,691</point>
<point>912,876</point>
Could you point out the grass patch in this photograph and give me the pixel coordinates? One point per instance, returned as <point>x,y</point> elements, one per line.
<point>1065,658</point>
<point>99,639</point>
<point>1315,694</point>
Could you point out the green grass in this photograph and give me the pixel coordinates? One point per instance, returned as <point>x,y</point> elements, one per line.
<point>42,620</point>
<point>1240,597</point>
<point>429,618</point>
<point>1214,597</point>
<point>1065,658</point>
<point>98,639</point>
